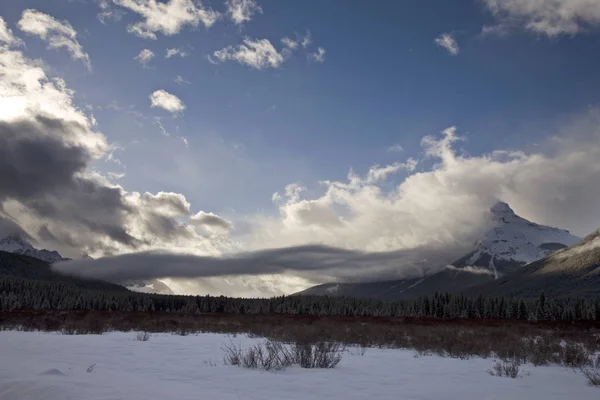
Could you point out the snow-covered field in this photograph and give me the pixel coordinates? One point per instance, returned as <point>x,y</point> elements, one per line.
<point>54,367</point>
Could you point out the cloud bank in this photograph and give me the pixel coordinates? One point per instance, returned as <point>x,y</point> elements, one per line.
<point>320,262</point>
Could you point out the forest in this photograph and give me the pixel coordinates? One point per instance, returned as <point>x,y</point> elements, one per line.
<point>31,294</point>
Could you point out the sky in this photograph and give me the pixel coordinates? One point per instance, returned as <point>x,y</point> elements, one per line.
<point>337,135</point>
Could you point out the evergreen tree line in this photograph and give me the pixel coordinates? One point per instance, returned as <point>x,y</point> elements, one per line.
<point>19,294</point>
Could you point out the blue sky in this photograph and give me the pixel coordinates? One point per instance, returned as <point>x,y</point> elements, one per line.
<point>383,82</point>
<point>513,76</point>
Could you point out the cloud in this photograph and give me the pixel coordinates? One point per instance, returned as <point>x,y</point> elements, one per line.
<point>108,13</point>
<point>6,35</point>
<point>166,101</point>
<point>548,17</point>
<point>319,55</point>
<point>306,40</point>
<point>48,188</point>
<point>396,148</point>
<point>473,270</point>
<point>210,220</point>
<point>176,52</point>
<point>240,11</point>
<point>144,57</point>
<point>289,43</point>
<point>322,262</point>
<point>495,30</point>
<point>179,80</point>
<point>167,17</point>
<point>58,34</point>
<point>257,54</point>
<point>447,41</point>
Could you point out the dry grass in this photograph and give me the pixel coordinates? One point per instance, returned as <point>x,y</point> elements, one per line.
<point>571,345</point>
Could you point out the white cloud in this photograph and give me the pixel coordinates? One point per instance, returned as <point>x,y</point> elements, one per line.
<point>166,101</point>
<point>58,34</point>
<point>180,80</point>
<point>6,35</point>
<point>258,54</point>
<point>289,43</point>
<point>549,17</point>
<point>319,55</point>
<point>176,52</point>
<point>144,57</point>
<point>447,205</point>
<point>108,13</point>
<point>447,41</point>
<point>306,40</point>
<point>240,11</point>
<point>396,148</point>
<point>167,17</point>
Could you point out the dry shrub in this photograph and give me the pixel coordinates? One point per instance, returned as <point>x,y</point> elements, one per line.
<point>592,375</point>
<point>142,336</point>
<point>318,355</point>
<point>508,369</point>
<point>274,355</point>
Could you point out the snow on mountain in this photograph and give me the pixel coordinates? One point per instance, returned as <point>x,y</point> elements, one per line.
<point>516,240</point>
<point>510,244</point>
<point>18,245</point>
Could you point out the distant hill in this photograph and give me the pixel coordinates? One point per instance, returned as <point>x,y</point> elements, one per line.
<point>25,267</point>
<point>511,243</point>
<point>18,245</point>
<point>571,272</point>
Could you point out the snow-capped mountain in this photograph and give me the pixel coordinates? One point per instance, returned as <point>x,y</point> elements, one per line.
<point>510,244</point>
<point>514,241</point>
<point>18,245</point>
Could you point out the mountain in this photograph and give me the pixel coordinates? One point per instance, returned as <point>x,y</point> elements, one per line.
<point>574,271</point>
<point>17,245</point>
<point>511,243</point>
<point>18,266</point>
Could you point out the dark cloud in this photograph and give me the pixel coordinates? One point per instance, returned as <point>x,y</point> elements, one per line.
<point>9,227</point>
<point>313,262</point>
<point>42,166</point>
<point>34,158</point>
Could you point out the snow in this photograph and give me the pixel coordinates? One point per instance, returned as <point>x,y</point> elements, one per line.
<point>513,238</point>
<point>191,367</point>
<point>18,245</point>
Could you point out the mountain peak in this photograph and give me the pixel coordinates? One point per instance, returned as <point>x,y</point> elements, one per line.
<point>501,208</point>
<point>16,244</point>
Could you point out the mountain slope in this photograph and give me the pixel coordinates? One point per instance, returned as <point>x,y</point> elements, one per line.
<point>574,271</point>
<point>24,267</point>
<point>511,243</point>
<point>18,245</point>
